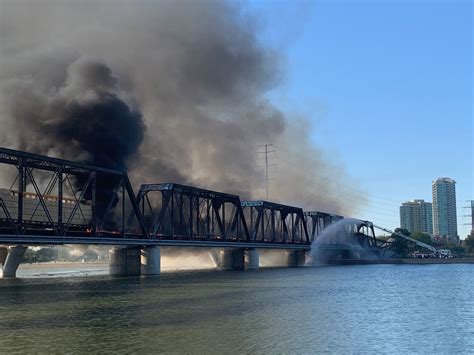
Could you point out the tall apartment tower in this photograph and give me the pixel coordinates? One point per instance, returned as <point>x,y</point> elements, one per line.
<point>416,216</point>
<point>444,208</point>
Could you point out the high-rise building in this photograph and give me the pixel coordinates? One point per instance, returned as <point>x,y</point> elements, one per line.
<point>444,208</point>
<point>416,216</point>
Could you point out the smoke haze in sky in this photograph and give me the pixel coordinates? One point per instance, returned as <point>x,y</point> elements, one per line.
<point>172,91</point>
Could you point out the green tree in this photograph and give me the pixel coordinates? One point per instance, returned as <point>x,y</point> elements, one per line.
<point>46,254</point>
<point>457,250</point>
<point>90,255</point>
<point>402,231</point>
<point>400,245</point>
<point>30,256</point>
<point>422,237</point>
<point>469,244</point>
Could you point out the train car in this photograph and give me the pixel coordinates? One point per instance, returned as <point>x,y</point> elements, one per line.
<point>34,213</point>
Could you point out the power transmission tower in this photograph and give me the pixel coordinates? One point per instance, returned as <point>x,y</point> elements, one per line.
<point>471,207</point>
<point>267,165</point>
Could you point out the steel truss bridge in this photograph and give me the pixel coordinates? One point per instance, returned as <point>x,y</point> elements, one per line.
<point>55,201</point>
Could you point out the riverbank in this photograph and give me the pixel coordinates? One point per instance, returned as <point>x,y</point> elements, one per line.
<point>62,264</point>
<point>438,261</point>
<point>61,269</point>
<point>410,261</point>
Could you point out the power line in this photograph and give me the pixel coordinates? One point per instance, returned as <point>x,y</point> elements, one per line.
<point>368,209</point>
<point>377,205</point>
<point>376,213</point>
<point>352,197</point>
<point>386,201</point>
<point>368,195</point>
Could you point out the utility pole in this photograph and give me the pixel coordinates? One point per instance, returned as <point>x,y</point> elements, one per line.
<point>267,165</point>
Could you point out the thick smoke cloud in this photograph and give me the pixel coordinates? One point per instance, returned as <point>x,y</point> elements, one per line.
<point>84,115</point>
<point>172,91</point>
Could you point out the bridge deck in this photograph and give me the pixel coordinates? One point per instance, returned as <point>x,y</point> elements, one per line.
<point>57,240</point>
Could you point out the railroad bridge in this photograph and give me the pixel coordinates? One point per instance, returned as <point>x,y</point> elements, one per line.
<point>50,201</point>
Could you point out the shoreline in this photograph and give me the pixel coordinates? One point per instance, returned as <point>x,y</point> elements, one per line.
<point>62,264</point>
<point>409,261</point>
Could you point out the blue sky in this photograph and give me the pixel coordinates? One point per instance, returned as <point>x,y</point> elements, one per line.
<point>388,86</point>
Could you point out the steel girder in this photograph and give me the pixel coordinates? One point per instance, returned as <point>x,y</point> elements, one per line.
<point>366,235</point>
<point>183,212</point>
<point>275,223</point>
<point>363,231</point>
<point>73,199</point>
<point>317,221</point>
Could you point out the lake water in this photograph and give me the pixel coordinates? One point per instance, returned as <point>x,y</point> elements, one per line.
<point>340,309</point>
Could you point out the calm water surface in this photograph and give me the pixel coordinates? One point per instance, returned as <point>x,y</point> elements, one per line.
<point>373,308</point>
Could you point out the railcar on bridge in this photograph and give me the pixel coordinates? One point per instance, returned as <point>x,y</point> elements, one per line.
<point>34,214</point>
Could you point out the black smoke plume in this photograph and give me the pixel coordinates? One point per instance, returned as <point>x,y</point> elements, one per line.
<point>83,118</point>
<point>82,80</point>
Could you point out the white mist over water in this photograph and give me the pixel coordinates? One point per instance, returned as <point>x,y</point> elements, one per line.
<point>341,233</point>
<point>173,259</point>
<point>80,250</point>
<point>273,258</point>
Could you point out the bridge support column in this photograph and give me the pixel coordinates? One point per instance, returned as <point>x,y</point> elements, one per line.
<point>231,259</point>
<point>150,261</point>
<point>3,255</point>
<point>13,260</point>
<point>252,259</point>
<point>296,258</point>
<point>124,261</point>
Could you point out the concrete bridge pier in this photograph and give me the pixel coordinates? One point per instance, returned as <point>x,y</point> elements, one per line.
<point>150,261</point>
<point>296,258</point>
<point>231,259</point>
<point>12,260</point>
<point>124,261</point>
<point>3,255</point>
<point>252,259</point>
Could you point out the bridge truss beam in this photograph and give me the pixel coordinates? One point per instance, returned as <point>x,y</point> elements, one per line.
<point>318,221</point>
<point>67,199</point>
<point>183,212</point>
<point>275,223</point>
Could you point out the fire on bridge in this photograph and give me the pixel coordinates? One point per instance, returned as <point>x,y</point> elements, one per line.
<point>53,201</point>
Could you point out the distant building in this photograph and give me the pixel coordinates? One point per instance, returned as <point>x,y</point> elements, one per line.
<point>444,208</point>
<point>416,216</point>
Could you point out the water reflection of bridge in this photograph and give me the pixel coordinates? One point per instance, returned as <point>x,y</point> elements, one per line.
<point>53,202</point>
